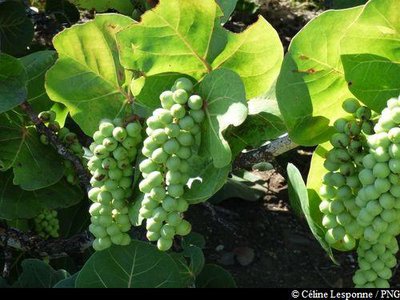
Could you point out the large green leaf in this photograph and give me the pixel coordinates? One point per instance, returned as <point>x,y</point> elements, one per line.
<point>67,283</point>
<point>186,37</point>
<point>373,79</point>
<point>214,276</point>
<point>38,274</point>
<point>255,54</point>
<point>13,79</point>
<point>196,259</point>
<point>374,41</point>
<point>123,6</point>
<point>311,85</point>
<point>16,29</point>
<point>309,204</point>
<point>337,4</point>
<point>16,203</point>
<point>35,165</point>
<point>225,98</point>
<point>139,265</point>
<point>87,77</point>
<point>74,219</point>
<point>36,65</point>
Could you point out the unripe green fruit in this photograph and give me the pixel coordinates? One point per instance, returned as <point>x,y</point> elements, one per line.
<point>165,116</point>
<point>122,219</point>
<point>381,170</point>
<point>167,231</point>
<point>154,123</point>
<point>381,283</point>
<point>149,203</point>
<point>175,190</point>
<point>152,236</point>
<point>185,139</point>
<point>344,218</point>
<point>119,204</point>
<point>183,83</point>
<point>195,102</point>
<point>394,151</point>
<point>134,130</point>
<point>370,234</point>
<point>106,128</point>
<point>118,194</point>
<point>159,156</point>
<point>119,134</point>
<point>100,151</point>
<point>350,105</point>
<point>94,209</point>
<point>171,146</point>
<point>352,128</point>
<point>186,123</point>
<point>148,166</point>
<point>104,197</point>
<point>115,174</point>
<point>145,213</point>
<point>344,192</point>
<point>183,228</point>
<point>130,143</point>
<point>324,206</point>
<point>359,278</point>
<point>331,166</point>
<point>152,225</point>
<point>178,111</point>
<point>340,140</point>
<point>184,153</point>
<point>180,96</point>
<point>173,163</point>
<point>169,204</point>
<point>329,221</point>
<point>380,154</point>
<point>182,205</point>
<point>159,136</point>
<point>382,185</point>
<point>97,231</point>
<point>197,115</point>
<point>159,214</point>
<point>173,177</point>
<point>110,144</point>
<point>154,179</point>
<point>340,124</point>
<point>158,193</point>
<point>349,242</point>
<point>164,244</point>
<point>108,163</point>
<point>113,229</point>
<point>172,130</point>
<point>174,219</point>
<point>327,192</point>
<point>105,221</point>
<point>93,193</point>
<point>120,153</point>
<point>167,99</point>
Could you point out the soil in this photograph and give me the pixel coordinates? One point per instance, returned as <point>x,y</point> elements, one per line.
<point>266,244</point>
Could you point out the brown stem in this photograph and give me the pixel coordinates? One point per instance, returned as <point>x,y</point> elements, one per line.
<point>266,153</point>
<point>81,171</point>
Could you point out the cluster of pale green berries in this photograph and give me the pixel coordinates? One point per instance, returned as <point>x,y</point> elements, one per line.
<point>379,201</point>
<point>46,224</point>
<point>69,139</point>
<point>114,151</point>
<point>341,184</point>
<point>173,136</point>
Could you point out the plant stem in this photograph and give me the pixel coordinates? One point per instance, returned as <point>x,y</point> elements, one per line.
<point>81,171</point>
<point>266,153</point>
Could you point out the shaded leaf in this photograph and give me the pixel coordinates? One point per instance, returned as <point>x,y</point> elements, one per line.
<point>196,259</point>
<point>139,265</point>
<point>68,282</point>
<point>16,203</point>
<point>123,6</point>
<point>16,29</point>
<point>309,207</point>
<point>12,82</point>
<point>225,98</point>
<point>214,276</point>
<point>74,219</point>
<point>38,274</point>
<point>87,77</point>
<point>227,7</point>
<point>195,239</point>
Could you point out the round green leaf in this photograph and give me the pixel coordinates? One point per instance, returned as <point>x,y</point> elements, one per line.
<point>214,276</point>
<point>311,86</point>
<point>139,265</point>
<point>13,79</point>
<point>16,29</point>
<point>226,105</point>
<point>87,77</point>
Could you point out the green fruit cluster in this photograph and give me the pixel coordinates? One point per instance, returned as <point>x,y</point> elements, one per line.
<point>68,138</point>
<point>114,151</point>
<point>378,201</point>
<point>173,136</point>
<point>341,184</point>
<point>46,224</point>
